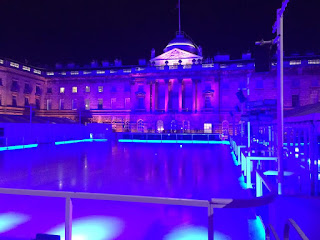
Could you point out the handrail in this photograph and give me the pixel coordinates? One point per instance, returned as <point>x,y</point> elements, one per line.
<point>271,229</point>
<point>250,202</point>
<point>264,180</point>
<point>243,203</point>
<point>209,204</point>
<point>103,196</point>
<point>296,227</point>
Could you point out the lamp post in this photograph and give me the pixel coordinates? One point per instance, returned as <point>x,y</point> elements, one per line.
<point>278,28</point>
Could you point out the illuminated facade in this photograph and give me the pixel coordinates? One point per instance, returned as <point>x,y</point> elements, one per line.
<point>176,91</point>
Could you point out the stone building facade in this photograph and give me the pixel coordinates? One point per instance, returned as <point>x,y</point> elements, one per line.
<point>176,91</point>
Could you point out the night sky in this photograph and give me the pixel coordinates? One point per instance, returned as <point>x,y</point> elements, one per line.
<point>49,31</point>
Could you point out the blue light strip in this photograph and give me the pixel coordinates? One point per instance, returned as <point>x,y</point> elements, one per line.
<point>18,147</point>
<point>79,141</point>
<point>173,141</point>
<point>234,158</point>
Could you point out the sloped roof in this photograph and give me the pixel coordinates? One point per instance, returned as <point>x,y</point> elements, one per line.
<point>304,113</point>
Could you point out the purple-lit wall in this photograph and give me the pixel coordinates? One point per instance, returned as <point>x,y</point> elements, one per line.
<point>26,133</point>
<point>191,95</point>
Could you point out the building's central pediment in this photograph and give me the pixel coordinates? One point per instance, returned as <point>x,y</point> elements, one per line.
<point>176,54</point>
<point>173,56</point>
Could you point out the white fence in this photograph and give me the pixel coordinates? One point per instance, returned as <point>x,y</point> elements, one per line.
<point>209,204</point>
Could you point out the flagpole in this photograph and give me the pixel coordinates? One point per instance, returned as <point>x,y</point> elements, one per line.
<point>179,19</point>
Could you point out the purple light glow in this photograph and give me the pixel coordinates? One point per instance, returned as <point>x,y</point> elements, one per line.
<point>193,232</point>
<point>92,227</point>
<point>11,220</point>
<point>193,171</point>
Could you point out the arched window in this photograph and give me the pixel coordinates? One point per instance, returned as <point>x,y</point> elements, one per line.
<point>225,129</point>
<point>126,126</point>
<point>186,126</point>
<point>114,126</point>
<point>160,127</point>
<point>173,126</point>
<point>140,125</point>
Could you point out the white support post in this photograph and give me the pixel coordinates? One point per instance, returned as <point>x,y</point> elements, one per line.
<point>248,169</point>
<point>259,192</point>
<point>244,164</point>
<point>210,222</point>
<point>249,139</point>
<point>269,140</point>
<point>68,220</point>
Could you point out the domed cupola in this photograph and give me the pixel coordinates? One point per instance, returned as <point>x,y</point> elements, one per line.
<point>183,42</point>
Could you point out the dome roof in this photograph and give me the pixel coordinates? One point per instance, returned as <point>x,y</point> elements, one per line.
<point>182,42</point>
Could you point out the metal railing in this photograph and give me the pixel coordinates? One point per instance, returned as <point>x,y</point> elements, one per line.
<point>209,204</point>
<point>170,137</point>
<point>295,227</point>
<point>270,230</point>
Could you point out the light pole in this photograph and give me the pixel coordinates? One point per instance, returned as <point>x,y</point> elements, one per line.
<point>278,28</point>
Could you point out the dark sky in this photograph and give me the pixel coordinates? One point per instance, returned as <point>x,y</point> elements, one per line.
<point>49,31</point>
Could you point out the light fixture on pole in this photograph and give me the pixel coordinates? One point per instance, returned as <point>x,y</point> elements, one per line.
<point>278,28</point>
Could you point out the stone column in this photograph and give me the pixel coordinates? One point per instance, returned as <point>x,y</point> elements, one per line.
<point>147,99</point>
<point>180,82</point>
<point>153,96</point>
<point>133,95</point>
<point>166,94</point>
<point>198,93</point>
<point>194,95</point>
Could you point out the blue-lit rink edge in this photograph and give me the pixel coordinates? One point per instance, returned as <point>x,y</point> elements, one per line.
<point>173,141</point>
<point>18,147</point>
<point>80,141</point>
<point>56,143</point>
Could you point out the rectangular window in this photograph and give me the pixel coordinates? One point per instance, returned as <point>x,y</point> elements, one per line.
<point>87,104</point>
<point>38,90</point>
<point>1,82</point>
<point>0,100</point>
<point>26,101</point>
<point>295,101</point>
<point>207,102</point>
<point>127,103</point>
<point>141,103</point>
<point>113,103</point>
<point>295,62</point>
<point>49,90</point>
<point>49,104</point>
<point>27,88</point>
<point>74,104</point>
<point>37,103</point>
<point>14,101</point>
<point>314,61</point>
<point>74,89</point>
<point>207,128</point>
<point>87,89</point>
<point>62,89</point>
<point>15,86</point>
<point>100,103</point>
<point>61,104</point>
<point>100,89</point>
